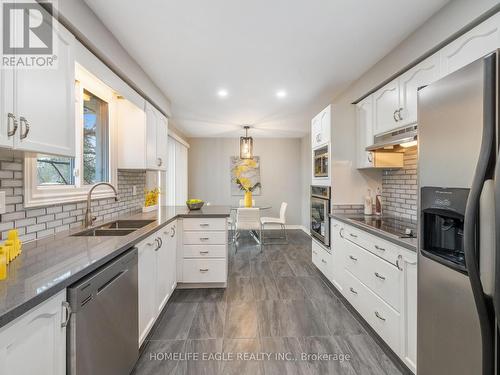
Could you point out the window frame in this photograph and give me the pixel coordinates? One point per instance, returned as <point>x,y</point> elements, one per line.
<point>38,195</point>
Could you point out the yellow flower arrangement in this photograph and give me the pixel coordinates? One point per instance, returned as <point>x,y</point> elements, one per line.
<point>151,197</point>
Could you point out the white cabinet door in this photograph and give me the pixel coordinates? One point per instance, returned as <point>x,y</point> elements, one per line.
<point>6,101</point>
<point>171,235</point>
<point>151,135</point>
<point>326,120</point>
<point>386,104</point>
<point>44,101</point>
<point>163,276</point>
<point>316,131</point>
<point>162,141</point>
<point>131,135</point>
<point>476,43</point>
<point>181,174</point>
<point>364,122</point>
<point>338,251</point>
<point>423,74</point>
<point>147,286</point>
<point>35,343</point>
<point>408,263</point>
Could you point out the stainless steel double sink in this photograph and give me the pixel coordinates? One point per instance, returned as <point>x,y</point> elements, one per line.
<point>114,228</point>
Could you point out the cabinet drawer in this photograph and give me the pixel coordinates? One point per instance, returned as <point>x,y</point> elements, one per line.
<point>204,224</point>
<point>383,278</point>
<point>205,238</point>
<point>384,249</point>
<point>322,259</point>
<point>204,270</point>
<point>381,317</point>
<point>205,251</point>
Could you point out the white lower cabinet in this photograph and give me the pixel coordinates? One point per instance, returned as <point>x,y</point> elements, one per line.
<point>157,275</point>
<point>203,251</point>
<point>322,259</point>
<point>40,333</point>
<point>379,279</point>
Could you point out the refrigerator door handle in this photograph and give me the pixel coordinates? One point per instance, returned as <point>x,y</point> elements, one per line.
<point>487,237</point>
<point>471,222</point>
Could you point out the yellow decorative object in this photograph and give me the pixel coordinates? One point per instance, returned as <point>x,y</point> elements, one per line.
<point>3,265</point>
<point>5,251</point>
<point>151,197</point>
<point>15,243</point>
<point>248,199</point>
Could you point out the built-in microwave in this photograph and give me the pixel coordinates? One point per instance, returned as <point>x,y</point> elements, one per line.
<point>320,162</point>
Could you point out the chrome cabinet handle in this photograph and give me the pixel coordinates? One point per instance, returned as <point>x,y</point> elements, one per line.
<point>159,161</point>
<point>68,310</point>
<point>370,157</point>
<point>394,116</point>
<point>341,231</point>
<point>379,276</point>
<point>354,259</point>
<point>11,120</point>
<point>353,235</point>
<point>379,248</point>
<point>172,231</point>
<point>203,269</point>
<point>379,316</point>
<point>324,261</point>
<point>400,257</point>
<point>204,238</point>
<point>352,290</point>
<point>399,114</point>
<point>158,244</point>
<point>204,252</point>
<point>204,225</point>
<point>26,127</point>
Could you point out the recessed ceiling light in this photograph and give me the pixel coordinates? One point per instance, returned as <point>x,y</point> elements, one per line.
<point>222,93</point>
<point>281,94</point>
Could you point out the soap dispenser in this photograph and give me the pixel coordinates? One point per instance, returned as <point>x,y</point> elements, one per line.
<point>368,203</point>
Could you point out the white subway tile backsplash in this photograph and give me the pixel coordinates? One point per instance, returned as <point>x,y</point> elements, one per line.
<point>399,188</point>
<point>45,221</point>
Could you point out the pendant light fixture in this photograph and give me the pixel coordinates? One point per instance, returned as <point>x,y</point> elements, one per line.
<point>246,145</point>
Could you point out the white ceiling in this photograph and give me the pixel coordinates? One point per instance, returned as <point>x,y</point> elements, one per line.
<point>313,49</point>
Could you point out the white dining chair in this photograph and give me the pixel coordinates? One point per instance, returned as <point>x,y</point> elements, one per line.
<point>248,219</point>
<point>281,221</point>
<point>242,203</point>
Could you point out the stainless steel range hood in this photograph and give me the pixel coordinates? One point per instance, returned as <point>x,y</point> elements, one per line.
<point>394,138</point>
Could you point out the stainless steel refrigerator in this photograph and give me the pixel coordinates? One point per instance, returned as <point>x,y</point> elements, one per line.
<point>458,272</point>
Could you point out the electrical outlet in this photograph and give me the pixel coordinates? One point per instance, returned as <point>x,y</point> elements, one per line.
<point>2,202</point>
<point>134,190</point>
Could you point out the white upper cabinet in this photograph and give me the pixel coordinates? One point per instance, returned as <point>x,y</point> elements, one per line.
<point>320,128</point>
<point>386,106</point>
<point>423,74</point>
<point>479,41</point>
<point>156,139</point>
<point>142,137</point>
<point>364,122</point>
<point>38,104</point>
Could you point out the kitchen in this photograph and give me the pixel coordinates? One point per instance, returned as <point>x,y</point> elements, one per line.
<point>193,213</point>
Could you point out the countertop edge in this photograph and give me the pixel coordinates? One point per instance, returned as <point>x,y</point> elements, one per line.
<point>375,232</point>
<point>16,312</point>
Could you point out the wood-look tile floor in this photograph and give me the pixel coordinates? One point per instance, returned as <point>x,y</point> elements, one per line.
<point>275,303</point>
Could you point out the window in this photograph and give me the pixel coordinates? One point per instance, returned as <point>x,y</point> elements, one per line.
<point>95,139</point>
<point>55,179</point>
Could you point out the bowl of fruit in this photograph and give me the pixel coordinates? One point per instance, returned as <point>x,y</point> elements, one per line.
<point>195,204</point>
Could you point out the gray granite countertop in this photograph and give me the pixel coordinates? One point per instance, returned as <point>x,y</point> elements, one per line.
<point>387,232</point>
<point>49,265</point>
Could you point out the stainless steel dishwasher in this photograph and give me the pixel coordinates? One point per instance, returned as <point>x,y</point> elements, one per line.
<point>103,328</point>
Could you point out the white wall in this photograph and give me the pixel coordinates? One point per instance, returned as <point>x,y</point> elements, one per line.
<point>95,34</point>
<point>281,173</point>
<point>349,185</point>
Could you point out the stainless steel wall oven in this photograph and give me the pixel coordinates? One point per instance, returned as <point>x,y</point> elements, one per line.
<point>320,214</point>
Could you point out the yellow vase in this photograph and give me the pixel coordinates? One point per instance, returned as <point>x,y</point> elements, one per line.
<point>248,199</point>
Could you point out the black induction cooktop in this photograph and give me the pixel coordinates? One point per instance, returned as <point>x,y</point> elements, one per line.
<point>393,225</point>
